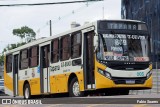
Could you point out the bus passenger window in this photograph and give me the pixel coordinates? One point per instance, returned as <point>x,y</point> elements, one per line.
<point>55,51</point>
<point>34,56</point>
<point>24,59</point>
<point>65,48</point>
<point>9,63</point>
<point>76,45</point>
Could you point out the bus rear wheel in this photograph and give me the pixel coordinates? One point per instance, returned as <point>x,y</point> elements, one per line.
<point>27,92</point>
<point>74,88</point>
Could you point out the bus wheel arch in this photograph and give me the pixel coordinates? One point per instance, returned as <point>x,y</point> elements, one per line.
<point>73,82</point>
<point>26,90</point>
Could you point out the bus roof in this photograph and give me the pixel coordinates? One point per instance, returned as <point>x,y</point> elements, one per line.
<point>42,40</point>
<point>127,20</point>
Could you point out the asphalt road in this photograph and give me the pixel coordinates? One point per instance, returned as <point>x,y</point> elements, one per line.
<point>144,100</point>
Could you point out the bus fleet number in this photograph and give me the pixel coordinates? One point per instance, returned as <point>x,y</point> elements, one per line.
<point>55,68</point>
<point>140,74</point>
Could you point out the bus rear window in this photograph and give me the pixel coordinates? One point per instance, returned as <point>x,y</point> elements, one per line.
<point>9,63</point>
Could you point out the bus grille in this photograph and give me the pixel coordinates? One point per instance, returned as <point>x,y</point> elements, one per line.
<point>118,80</point>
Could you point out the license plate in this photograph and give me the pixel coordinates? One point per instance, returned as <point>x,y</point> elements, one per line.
<point>130,81</point>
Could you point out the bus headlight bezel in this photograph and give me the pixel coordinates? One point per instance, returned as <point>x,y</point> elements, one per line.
<point>105,73</point>
<point>148,74</point>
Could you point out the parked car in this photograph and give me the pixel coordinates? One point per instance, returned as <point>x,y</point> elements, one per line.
<point>1,85</point>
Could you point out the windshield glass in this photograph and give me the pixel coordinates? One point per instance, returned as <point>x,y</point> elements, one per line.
<point>123,47</point>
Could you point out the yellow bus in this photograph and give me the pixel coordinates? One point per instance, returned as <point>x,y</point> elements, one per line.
<point>110,56</point>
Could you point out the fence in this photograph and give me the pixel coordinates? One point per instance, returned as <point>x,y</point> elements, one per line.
<point>156,82</point>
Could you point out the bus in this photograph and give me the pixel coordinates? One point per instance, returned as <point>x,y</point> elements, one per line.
<point>109,56</point>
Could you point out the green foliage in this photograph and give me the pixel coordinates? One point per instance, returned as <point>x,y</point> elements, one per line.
<point>25,33</point>
<point>1,59</point>
<point>9,47</point>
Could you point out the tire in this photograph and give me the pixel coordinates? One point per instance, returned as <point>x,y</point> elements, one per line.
<point>111,93</point>
<point>74,89</point>
<point>27,91</point>
<point>117,92</point>
<point>122,92</point>
<point>125,92</point>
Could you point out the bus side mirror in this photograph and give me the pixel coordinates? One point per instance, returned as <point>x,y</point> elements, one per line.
<point>95,43</point>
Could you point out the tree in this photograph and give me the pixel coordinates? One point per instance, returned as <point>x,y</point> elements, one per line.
<point>9,47</point>
<point>25,33</point>
<point>1,59</point>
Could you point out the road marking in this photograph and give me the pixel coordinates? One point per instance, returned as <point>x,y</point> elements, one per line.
<point>54,105</point>
<point>93,105</point>
<point>4,106</point>
<point>140,105</point>
<point>11,105</point>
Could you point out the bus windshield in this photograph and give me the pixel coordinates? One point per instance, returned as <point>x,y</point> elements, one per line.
<point>123,47</point>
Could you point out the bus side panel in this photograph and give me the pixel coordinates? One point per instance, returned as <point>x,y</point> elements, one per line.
<point>53,84</point>
<point>34,81</point>
<point>80,77</point>
<point>61,83</point>
<point>8,81</point>
<point>20,87</point>
<point>62,80</point>
<point>35,86</point>
<point>32,76</point>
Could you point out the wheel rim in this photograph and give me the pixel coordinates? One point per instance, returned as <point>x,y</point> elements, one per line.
<point>26,93</point>
<point>76,90</point>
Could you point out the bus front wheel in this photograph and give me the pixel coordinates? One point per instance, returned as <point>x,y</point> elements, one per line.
<point>74,88</point>
<point>27,92</point>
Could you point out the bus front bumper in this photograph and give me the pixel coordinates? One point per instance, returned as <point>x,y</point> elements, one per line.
<point>103,82</point>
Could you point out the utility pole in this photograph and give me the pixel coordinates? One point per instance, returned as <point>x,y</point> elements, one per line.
<point>50,27</point>
<point>103,12</point>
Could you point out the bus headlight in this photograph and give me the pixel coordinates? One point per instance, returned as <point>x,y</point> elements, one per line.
<point>149,74</point>
<point>105,73</point>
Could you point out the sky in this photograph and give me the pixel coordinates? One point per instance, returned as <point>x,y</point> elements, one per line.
<point>62,15</point>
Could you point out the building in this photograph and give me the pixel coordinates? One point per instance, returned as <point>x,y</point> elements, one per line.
<point>149,12</point>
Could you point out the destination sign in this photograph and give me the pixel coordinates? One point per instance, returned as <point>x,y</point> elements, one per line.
<point>123,25</point>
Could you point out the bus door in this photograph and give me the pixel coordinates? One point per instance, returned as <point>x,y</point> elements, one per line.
<point>44,66</point>
<point>88,60</point>
<point>15,75</point>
